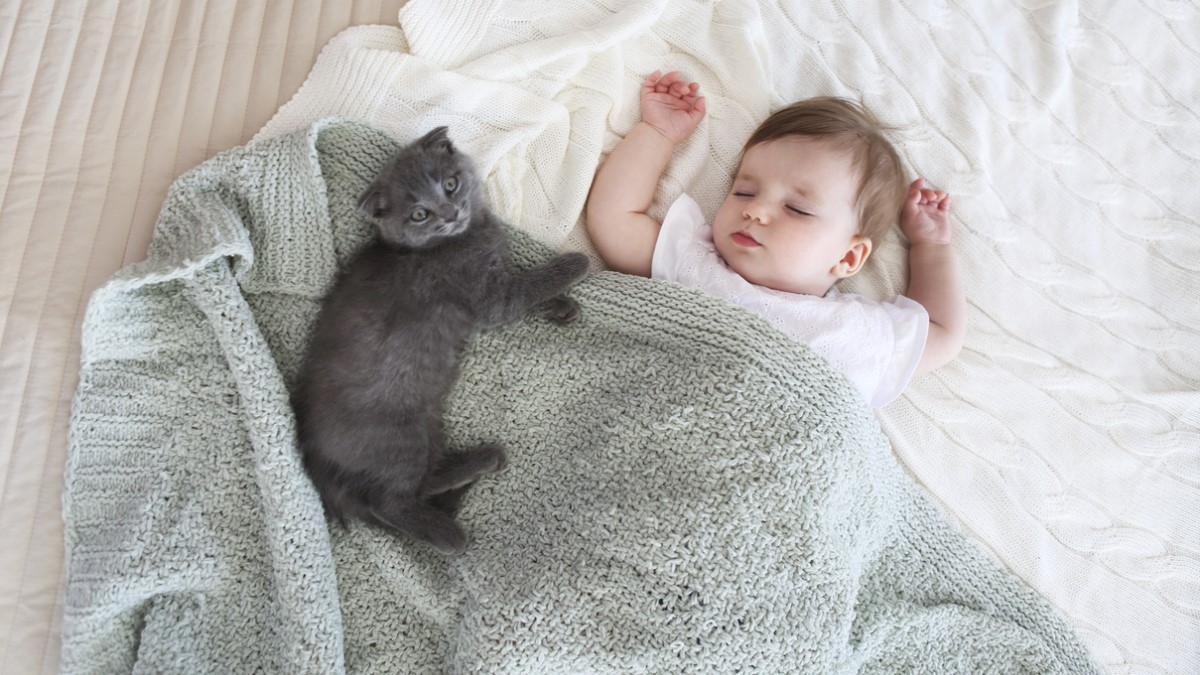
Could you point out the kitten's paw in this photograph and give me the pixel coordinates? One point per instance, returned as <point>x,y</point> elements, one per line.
<point>487,458</point>
<point>449,501</point>
<point>501,459</point>
<point>451,542</point>
<point>571,266</point>
<point>559,309</point>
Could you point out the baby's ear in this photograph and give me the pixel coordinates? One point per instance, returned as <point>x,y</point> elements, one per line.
<point>854,258</point>
<point>374,202</point>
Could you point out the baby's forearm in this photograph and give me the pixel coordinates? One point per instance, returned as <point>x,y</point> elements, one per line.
<point>626,180</point>
<point>935,281</point>
<point>621,194</point>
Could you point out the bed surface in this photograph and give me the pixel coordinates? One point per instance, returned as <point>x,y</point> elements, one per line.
<point>1065,439</point>
<point>104,105</point>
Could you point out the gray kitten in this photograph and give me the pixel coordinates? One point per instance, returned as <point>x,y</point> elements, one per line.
<point>386,345</point>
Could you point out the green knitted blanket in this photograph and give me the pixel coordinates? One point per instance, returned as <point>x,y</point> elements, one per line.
<point>688,490</point>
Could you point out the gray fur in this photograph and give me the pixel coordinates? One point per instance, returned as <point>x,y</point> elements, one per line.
<point>385,348</point>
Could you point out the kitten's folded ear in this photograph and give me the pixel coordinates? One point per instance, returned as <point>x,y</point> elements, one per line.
<point>438,139</point>
<point>373,202</point>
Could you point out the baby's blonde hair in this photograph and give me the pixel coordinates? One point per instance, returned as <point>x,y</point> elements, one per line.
<point>850,128</point>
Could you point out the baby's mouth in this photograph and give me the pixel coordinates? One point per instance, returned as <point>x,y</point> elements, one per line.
<point>744,239</point>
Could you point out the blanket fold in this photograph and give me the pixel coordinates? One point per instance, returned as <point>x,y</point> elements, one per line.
<point>688,490</point>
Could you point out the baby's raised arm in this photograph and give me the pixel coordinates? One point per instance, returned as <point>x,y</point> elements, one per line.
<point>624,185</point>
<point>934,279</point>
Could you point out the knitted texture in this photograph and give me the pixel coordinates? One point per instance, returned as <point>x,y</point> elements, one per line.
<point>1066,436</point>
<point>688,490</point>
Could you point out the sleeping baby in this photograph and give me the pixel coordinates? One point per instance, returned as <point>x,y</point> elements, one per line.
<point>818,183</point>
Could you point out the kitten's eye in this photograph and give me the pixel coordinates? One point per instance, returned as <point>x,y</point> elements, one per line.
<point>450,184</point>
<point>419,215</point>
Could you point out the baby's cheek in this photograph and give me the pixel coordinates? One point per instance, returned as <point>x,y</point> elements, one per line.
<point>725,222</point>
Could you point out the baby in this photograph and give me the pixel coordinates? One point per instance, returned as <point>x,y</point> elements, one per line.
<point>818,184</point>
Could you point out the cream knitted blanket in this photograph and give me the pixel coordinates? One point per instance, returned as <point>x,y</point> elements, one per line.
<point>688,490</point>
<point>1066,437</point>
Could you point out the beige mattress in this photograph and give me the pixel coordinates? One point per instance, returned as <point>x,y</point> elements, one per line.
<point>1066,438</point>
<point>102,105</point>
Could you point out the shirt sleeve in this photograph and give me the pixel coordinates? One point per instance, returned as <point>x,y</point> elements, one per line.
<point>910,329</point>
<point>679,229</point>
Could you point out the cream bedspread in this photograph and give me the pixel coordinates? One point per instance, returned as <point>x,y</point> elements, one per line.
<point>103,103</point>
<point>1068,133</point>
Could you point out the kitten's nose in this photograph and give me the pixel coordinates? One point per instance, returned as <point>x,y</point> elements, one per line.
<point>448,213</point>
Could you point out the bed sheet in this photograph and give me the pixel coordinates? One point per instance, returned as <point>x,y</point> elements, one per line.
<point>1066,438</point>
<point>105,102</point>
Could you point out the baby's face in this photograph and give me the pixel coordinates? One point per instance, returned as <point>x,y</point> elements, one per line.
<point>789,218</point>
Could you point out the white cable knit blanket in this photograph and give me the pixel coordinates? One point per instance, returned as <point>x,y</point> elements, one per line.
<point>1066,437</point>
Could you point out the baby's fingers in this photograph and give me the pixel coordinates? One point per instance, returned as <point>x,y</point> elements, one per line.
<point>915,194</point>
<point>936,198</point>
<point>651,81</point>
<point>684,89</point>
<point>919,195</point>
<point>667,82</point>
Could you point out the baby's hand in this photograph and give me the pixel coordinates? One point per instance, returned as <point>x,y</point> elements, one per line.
<point>671,105</point>
<point>924,218</point>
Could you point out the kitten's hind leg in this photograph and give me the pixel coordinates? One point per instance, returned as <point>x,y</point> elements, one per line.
<point>460,468</point>
<point>450,500</point>
<point>560,309</point>
<point>423,522</point>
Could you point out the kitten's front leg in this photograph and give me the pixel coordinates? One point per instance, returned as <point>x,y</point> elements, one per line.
<point>541,287</point>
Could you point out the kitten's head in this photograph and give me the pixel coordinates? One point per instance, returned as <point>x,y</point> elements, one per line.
<point>426,194</point>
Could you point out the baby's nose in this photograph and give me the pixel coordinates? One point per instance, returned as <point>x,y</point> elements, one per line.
<point>756,211</point>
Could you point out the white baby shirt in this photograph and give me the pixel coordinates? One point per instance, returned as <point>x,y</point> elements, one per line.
<point>875,344</point>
